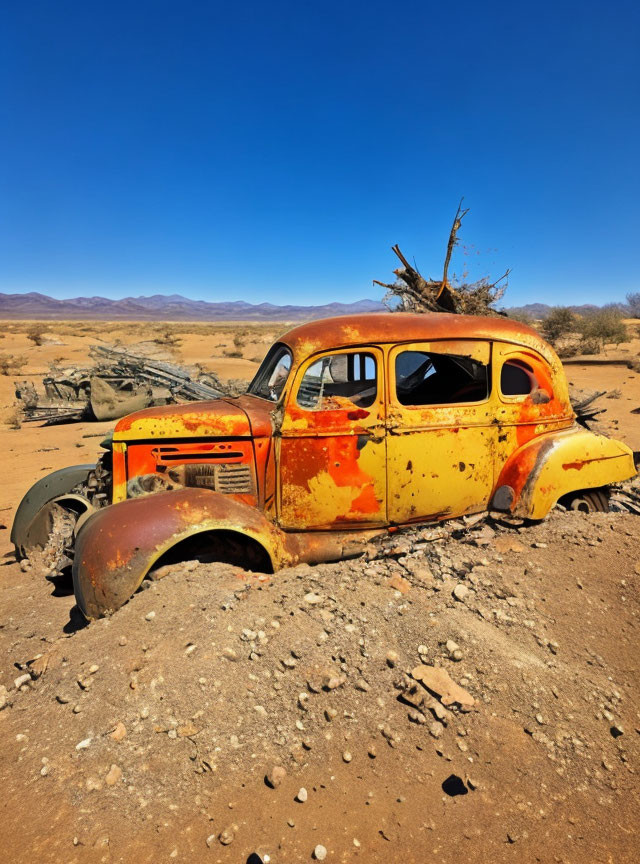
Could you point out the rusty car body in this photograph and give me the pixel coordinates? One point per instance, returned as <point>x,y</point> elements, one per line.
<point>352,426</point>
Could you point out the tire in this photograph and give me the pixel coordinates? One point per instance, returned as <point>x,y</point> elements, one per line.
<point>589,501</point>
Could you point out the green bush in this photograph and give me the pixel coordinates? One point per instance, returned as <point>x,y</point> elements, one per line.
<point>605,327</point>
<point>558,322</point>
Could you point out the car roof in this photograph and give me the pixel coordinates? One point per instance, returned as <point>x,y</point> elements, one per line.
<point>385,327</point>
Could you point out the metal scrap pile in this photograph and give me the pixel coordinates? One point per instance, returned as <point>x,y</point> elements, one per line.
<point>120,382</point>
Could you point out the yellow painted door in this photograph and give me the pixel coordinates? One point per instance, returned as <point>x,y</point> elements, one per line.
<point>331,452</point>
<point>441,430</point>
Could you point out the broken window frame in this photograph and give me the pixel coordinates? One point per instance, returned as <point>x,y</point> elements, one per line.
<point>267,369</point>
<point>369,352</point>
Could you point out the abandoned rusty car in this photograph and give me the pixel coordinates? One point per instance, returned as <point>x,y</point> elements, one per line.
<point>351,427</point>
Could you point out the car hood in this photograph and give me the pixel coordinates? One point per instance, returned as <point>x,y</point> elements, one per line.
<point>239,417</point>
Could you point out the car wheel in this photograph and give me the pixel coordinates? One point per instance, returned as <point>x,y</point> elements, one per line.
<point>590,501</point>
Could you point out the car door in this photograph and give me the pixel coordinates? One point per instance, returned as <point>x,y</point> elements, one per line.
<point>441,430</point>
<point>331,450</point>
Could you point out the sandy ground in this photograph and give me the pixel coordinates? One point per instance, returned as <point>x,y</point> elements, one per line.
<point>200,678</point>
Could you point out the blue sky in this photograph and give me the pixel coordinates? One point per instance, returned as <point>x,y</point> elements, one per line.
<point>275,151</point>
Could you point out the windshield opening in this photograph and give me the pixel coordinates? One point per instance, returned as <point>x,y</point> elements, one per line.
<point>272,374</point>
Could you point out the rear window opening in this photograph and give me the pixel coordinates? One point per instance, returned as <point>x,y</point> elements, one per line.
<point>427,378</point>
<point>517,379</point>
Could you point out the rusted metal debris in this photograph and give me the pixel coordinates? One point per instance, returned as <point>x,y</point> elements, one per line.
<point>120,382</point>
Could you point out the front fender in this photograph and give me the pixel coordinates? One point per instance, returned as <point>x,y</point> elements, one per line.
<point>548,467</point>
<point>117,546</point>
<point>52,486</point>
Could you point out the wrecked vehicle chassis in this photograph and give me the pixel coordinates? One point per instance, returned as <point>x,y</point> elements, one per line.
<point>352,427</point>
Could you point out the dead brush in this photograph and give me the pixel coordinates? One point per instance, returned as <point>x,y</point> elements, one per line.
<point>13,418</point>
<point>168,339</point>
<point>10,364</point>
<point>239,341</point>
<point>36,334</point>
<point>417,294</point>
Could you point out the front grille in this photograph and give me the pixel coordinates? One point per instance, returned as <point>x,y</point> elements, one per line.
<point>230,478</point>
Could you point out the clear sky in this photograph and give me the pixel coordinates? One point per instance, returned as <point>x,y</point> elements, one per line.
<point>275,151</point>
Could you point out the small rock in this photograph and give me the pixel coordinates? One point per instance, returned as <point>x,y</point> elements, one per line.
<point>150,616</point>
<point>93,668</point>
<point>119,732</point>
<point>332,682</point>
<point>122,641</point>
<point>275,776</point>
<point>435,729</point>
<point>460,592</point>
<point>114,776</point>
<point>346,756</point>
<point>453,650</point>
<point>21,680</point>
<point>302,796</point>
<point>392,658</point>
<point>84,744</point>
<point>319,853</point>
<point>227,835</point>
<point>313,599</point>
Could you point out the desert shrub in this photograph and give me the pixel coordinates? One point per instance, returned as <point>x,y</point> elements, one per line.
<point>590,345</point>
<point>11,365</point>
<point>558,322</point>
<point>168,339</point>
<point>36,333</point>
<point>633,302</point>
<point>239,343</point>
<point>14,418</point>
<point>605,327</point>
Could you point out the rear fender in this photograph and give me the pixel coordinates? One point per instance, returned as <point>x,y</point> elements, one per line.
<point>548,467</point>
<point>117,546</point>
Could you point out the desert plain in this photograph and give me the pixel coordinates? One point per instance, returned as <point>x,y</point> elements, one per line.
<point>153,735</point>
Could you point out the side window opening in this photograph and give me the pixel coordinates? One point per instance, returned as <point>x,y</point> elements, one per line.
<point>517,379</point>
<point>428,378</point>
<point>339,380</point>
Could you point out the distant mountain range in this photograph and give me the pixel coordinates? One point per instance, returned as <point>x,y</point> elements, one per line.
<point>173,307</point>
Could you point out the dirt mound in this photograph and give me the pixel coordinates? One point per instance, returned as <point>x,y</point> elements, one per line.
<point>154,734</point>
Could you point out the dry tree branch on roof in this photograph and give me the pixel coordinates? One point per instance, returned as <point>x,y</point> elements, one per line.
<point>417,294</point>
